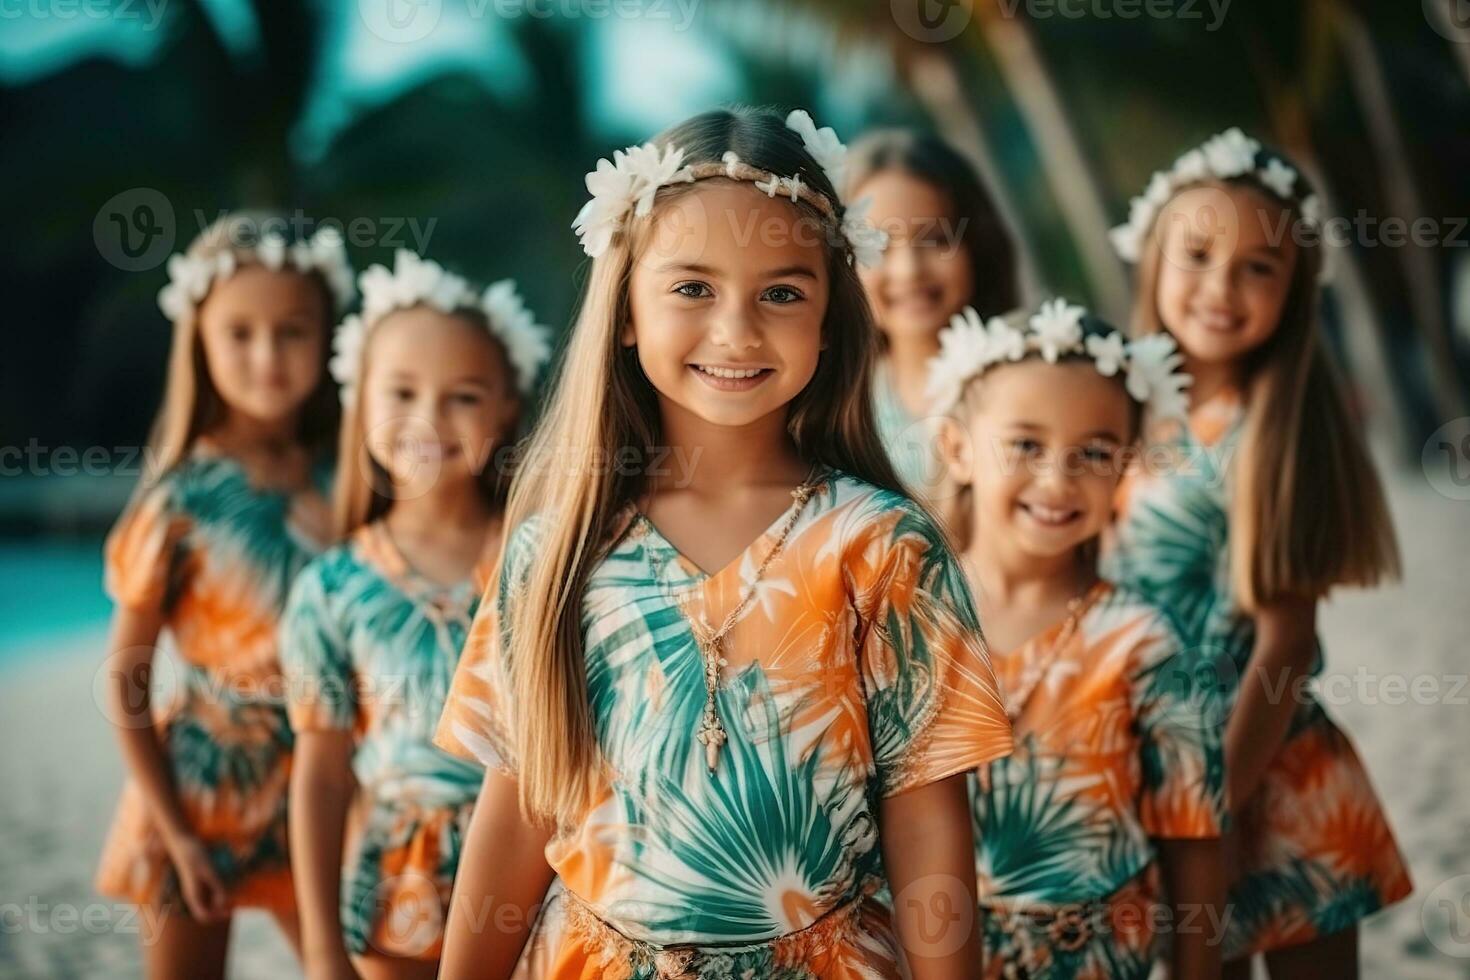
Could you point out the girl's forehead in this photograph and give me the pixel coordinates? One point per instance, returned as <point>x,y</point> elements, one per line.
<point>729,224</point>
<point>1068,394</point>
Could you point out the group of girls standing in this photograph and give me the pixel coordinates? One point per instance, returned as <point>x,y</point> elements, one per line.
<point>572,711</point>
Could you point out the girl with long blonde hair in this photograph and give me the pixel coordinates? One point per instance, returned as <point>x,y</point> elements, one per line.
<point>730,673</point>
<point>434,375</point>
<point>205,553</point>
<point>1262,504</point>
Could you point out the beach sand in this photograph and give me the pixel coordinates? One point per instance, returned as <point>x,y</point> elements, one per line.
<point>62,772</point>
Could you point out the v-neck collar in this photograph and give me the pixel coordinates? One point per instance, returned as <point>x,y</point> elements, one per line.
<point>382,552</point>
<point>697,573</point>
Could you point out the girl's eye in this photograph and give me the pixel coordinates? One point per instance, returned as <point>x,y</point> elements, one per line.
<point>402,394</point>
<point>294,331</point>
<point>1097,454</point>
<point>1197,253</point>
<point>240,333</point>
<point>467,398</point>
<point>1025,445</point>
<point>1263,269</point>
<point>781,295</point>
<point>692,290</point>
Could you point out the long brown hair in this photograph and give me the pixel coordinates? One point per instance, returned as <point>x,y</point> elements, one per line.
<point>191,404</point>
<point>989,243</point>
<point>1308,510</point>
<point>600,404</point>
<point>362,490</point>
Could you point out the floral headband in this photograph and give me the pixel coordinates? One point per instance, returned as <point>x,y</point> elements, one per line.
<point>1228,155</point>
<point>968,348</point>
<point>416,281</point>
<point>629,181</point>
<point>190,277</point>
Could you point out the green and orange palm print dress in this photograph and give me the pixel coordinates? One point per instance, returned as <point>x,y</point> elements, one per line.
<point>217,556</point>
<point>1317,854</point>
<point>369,646</point>
<point>1116,745</point>
<point>856,674</point>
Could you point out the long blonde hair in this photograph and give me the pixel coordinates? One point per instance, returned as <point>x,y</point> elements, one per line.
<point>191,403</point>
<point>1308,510</point>
<point>601,403</point>
<point>361,491</point>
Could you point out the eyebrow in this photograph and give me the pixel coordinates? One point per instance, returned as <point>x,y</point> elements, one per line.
<point>1094,434</point>
<point>705,270</point>
<point>472,379</point>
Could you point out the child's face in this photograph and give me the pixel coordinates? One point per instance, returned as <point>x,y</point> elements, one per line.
<point>924,278</point>
<point>263,333</point>
<point>727,303</point>
<point>1225,271</point>
<point>1043,450</point>
<point>437,398</point>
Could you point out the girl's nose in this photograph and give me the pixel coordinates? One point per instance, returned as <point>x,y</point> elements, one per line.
<point>734,327</point>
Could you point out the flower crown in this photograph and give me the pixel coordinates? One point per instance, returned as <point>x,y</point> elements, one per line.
<point>968,348</point>
<point>416,281</point>
<point>629,181</point>
<point>190,277</point>
<point>1222,157</point>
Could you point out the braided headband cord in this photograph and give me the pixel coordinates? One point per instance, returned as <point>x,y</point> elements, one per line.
<point>773,184</point>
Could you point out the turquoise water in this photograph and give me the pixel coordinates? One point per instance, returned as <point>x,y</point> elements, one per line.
<point>49,588</point>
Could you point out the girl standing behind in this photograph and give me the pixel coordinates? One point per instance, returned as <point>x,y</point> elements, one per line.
<point>710,703</point>
<point>206,552</point>
<point>948,248</point>
<point>433,375</point>
<point>1268,502</point>
<point>1118,776</point>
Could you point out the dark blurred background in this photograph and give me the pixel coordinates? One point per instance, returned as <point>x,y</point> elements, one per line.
<point>462,129</point>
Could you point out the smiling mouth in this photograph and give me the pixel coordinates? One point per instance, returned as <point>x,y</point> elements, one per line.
<point>1218,322</point>
<point>731,379</point>
<point>1051,516</point>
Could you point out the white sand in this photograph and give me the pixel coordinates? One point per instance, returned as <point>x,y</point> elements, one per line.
<point>61,772</point>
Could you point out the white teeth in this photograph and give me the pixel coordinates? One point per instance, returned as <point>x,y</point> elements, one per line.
<point>719,372</point>
<point>1048,515</point>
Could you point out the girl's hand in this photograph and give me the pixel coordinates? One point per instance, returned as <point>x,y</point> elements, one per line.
<point>204,892</point>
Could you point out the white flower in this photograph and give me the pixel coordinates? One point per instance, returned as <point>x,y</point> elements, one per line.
<point>731,160</point>
<point>347,345</point>
<point>1127,242</point>
<point>526,342</point>
<point>1154,378</point>
<point>1231,153</point>
<point>1058,328</point>
<point>1006,342</point>
<point>823,145</point>
<point>270,251</point>
<point>1279,177</point>
<point>1108,352</point>
<point>1160,189</point>
<point>866,239</point>
<point>792,185</point>
<point>626,183</point>
<point>964,348</point>
<point>1192,166</point>
<point>1311,210</point>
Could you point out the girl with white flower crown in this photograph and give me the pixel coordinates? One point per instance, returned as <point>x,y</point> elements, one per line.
<point>434,375</point>
<point>720,703</point>
<point>948,248</point>
<point>232,509</point>
<point>1270,502</point>
<point>1116,789</point>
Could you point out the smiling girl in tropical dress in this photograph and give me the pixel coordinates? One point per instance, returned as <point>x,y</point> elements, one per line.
<point>720,711</point>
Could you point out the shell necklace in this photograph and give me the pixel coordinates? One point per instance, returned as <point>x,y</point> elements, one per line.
<point>711,731</point>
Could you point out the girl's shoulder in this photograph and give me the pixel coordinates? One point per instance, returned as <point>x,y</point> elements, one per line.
<point>871,509</point>
<point>327,572</point>
<point>1122,610</point>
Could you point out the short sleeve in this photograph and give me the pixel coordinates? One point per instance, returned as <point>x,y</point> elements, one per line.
<point>142,555</point>
<point>315,658</point>
<point>1179,715</point>
<point>934,709</point>
<point>476,723</point>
